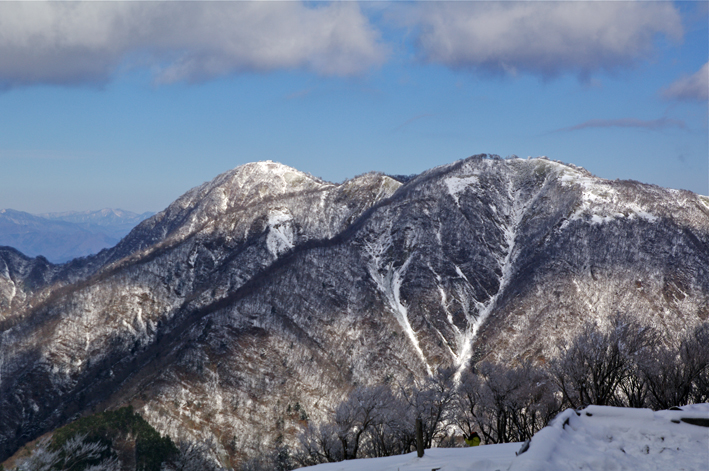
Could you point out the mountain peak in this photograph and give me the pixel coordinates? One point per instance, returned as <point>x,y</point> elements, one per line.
<point>271,168</point>
<point>267,287</point>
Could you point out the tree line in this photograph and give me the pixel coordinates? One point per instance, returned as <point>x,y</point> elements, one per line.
<point>624,364</point>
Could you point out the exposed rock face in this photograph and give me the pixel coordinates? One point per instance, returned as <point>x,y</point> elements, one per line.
<point>267,288</point>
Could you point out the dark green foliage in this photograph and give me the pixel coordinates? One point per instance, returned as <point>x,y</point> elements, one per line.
<point>125,432</point>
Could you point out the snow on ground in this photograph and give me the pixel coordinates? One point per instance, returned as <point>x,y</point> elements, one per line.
<point>457,185</point>
<point>613,438</point>
<point>595,438</point>
<point>600,200</point>
<point>481,458</point>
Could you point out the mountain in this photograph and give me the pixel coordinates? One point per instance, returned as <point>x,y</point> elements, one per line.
<point>115,223</point>
<point>58,241</point>
<point>269,288</point>
<point>61,237</point>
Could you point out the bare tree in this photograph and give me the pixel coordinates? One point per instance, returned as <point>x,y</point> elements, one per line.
<point>390,434</point>
<point>532,403</point>
<point>633,389</point>
<point>364,424</point>
<point>505,405</point>
<point>678,376</point>
<point>468,411</point>
<point>592,369</point>
<point>366,407</point>
<point>319,444</point>
<point>700,347</point>
<point>431,400</point>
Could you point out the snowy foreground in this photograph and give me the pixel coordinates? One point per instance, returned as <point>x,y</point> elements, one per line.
<point>596,438</point>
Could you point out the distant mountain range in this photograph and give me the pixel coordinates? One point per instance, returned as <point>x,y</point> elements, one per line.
<point>268,288</point>
<point>60,237</point>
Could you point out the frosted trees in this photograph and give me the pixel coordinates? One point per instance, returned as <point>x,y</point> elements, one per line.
<point>318,444</point>
<point>623,364</point>
<point>364,408</point>
<point>468,404</point>
<point>375,421</point>
<point>364,424</point>
<point>677,376</point>
<point>431,401</point>
<point>627,365</point>
<point>76,453</point>
<point>519,401</point>
<point>504,404</point>
<point>595,365</point>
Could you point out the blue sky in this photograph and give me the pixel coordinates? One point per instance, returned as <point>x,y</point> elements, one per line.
<point>128,105</point>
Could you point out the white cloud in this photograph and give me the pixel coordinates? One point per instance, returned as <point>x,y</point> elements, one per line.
<point>544,38</point>
<point>87,42</point>
<point>651,124</point>
<point>694,87</point>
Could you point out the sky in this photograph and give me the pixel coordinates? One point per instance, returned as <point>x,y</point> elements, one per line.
<point>130,104</point>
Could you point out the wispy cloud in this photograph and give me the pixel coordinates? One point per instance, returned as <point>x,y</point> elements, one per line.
<point>652,124</point>
<point>692,88</point>
<point>412,120</point>
<point>543,38</point>
<point>300,93</point>
<point>71,43</point>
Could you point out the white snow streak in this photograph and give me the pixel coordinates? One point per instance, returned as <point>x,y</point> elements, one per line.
<point>11,291</point>
<point>461,274</point>
<point>280,232</point>
<point>459,336</point>
<point>389,284</point>
<point>705,201</point>
<point>514,213</point>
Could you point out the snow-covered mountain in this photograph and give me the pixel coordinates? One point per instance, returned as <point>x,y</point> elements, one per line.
<point>61,237</point>
<point>268,287</point>
<point>116,223</point>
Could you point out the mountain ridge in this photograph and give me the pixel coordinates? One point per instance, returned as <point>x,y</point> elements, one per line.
<point>61,237</point>
<point>241,298</point>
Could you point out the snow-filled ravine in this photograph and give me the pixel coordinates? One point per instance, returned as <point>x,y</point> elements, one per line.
<point>595,438</point>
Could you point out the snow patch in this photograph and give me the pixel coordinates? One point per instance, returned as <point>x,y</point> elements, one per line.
<point>602,437</point>
<point>645,215</point>
<point>600,202</point>
<point>8,287</point>
<point>457,185</point>
<point>281,235</point>
<point>705,201</point>
<point>460,273</point>
<point>479,458</point>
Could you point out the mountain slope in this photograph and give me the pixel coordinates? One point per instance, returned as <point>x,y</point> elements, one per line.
<point>115,223</point>
<point>61,237</point>
<point>267,288</point>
